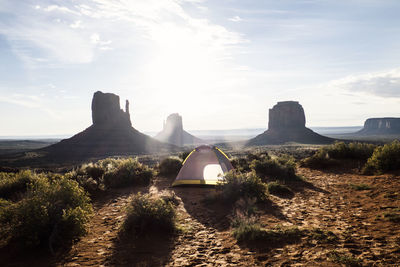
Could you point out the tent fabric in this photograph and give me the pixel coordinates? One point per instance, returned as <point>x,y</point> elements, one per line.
<point>204,165</point>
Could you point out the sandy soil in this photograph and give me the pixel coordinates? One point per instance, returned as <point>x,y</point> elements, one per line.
<point>327,201</point>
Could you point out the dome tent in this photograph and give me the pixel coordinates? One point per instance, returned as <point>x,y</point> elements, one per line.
<point>204,165</point>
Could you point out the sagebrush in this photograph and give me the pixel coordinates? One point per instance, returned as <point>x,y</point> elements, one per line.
<point>147,214</point>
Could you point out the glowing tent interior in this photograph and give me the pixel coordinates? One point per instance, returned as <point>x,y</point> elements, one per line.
<point>204,165</point>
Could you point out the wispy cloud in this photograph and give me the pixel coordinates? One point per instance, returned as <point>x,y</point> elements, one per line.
<point>75,32</point>
<point>383,84</point>
<point>29,101</point>
<point>236,19</point>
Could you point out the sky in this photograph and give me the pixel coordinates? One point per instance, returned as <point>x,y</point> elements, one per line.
<point>220,64</point>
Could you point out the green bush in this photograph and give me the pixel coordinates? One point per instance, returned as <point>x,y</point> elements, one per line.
<point>275,169</point>
<point>360,187</point>
<point>127,172</point>
<point>385,158</point>
<point>345,259</point>
<point>90,184</point>
<point>323,236</point>
<point>320,160</point>
<point>237,185</point>
<point>276,188</point>
<point>146,214</point>
<point>14,185</point>
<point>55,211</point>
<point>248,230</point>
<point>170,166</point>
<point>242,164</point>
<point>354,150</point>
<point>111,173</point>
<point>329,156</point>
<point>184,155</point>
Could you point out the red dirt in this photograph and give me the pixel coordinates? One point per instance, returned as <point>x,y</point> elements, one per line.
<point>328,202</point>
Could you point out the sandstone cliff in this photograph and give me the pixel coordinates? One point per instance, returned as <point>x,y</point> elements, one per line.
<point>381,126</point>
<point>173,132</point>
<point>287,123</point>
<point>110,134</point>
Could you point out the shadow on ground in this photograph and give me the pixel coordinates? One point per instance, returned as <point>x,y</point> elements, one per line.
<point>10,256</point>
<point>203,204</point>
<point>272,240</point>
<point>301,185</point>
<point>152,250</point>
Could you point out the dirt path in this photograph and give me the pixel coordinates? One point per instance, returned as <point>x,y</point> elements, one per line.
<point>94,248</point>
<point>196,245</point>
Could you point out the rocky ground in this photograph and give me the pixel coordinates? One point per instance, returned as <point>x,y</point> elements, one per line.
<point>356,209</point>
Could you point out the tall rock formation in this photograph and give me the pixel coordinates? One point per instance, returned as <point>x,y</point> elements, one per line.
<point>287,123</point>
<point>381,126</point>
<point>110,134</point>
<point>173,132</point>
<point>106,110</point>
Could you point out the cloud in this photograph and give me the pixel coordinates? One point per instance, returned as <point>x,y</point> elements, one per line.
<point>57,8</point>
<point>77,24</point>
<point>55,32</point>
<point>236,19</point>
<point>382,84</point>
<point>29,101</point>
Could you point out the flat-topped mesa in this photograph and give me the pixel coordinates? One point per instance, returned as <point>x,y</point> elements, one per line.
<point>106,110</point>
<point>286,114</point>
<point>381,126</point>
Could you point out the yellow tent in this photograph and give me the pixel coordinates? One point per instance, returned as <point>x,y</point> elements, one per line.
<point>204,165</point>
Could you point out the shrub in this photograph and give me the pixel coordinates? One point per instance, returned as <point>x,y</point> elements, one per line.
<point>184,155</point>
<point>323,236</point>
<point>342,258</point>
<point>95,171</point>
<point>88,183</point>
<point>237,185</point>
<point>170,166</point>
<point>276,188</point>
<point>248,230</point>
<point>111,173</point>
<point>385,158</point>
<point>127,172</point>
<point>147,214</point>
<point>360,187</point>
<point>242,164</point>
<point>329,156</point>
<point>14,184</point>
<point>170,197</point>
<point>354,150</point>
<point>55,211</point>
<point>276,169</point>
<point>319,160</point>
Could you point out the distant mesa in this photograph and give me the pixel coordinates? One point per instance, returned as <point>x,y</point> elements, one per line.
<point>173,133</point>
<point>381,126</point>
<point>287,123</point>
<point>110,134</point>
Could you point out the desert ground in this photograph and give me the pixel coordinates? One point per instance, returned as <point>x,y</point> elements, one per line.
<point>341,217</point>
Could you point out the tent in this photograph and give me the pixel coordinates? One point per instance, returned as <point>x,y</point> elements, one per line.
<point>204,165</point>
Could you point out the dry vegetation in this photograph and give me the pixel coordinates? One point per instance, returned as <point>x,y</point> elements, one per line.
<point>332,205</point>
